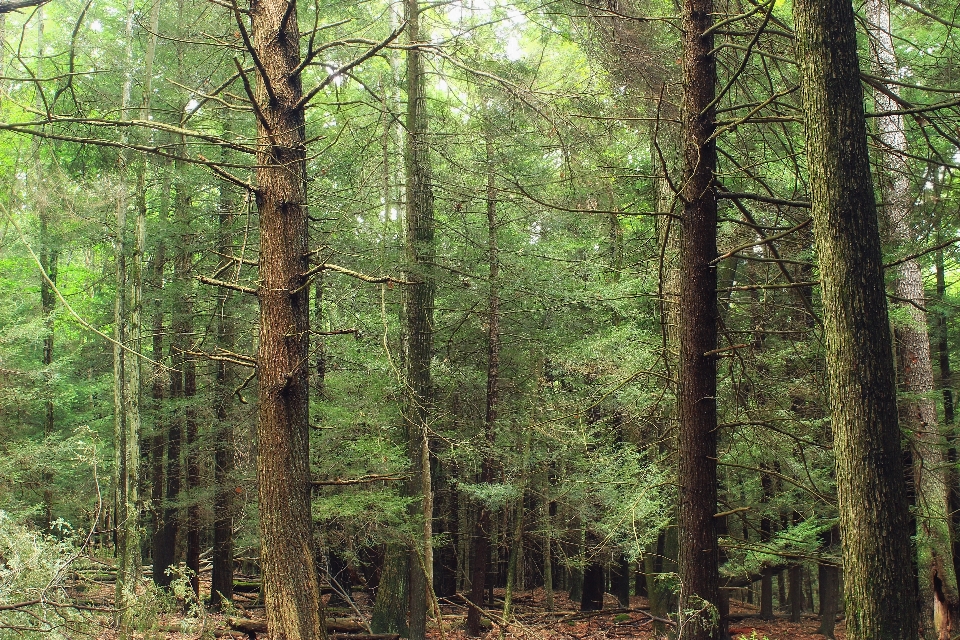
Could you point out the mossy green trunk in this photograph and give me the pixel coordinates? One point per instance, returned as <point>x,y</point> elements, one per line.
<point>870,482</point>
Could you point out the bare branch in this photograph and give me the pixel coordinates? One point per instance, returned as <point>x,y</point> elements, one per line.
<point>305,100</point>
<point>227,285</point>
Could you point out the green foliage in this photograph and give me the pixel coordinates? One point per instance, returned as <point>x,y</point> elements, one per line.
<point>36,567</point>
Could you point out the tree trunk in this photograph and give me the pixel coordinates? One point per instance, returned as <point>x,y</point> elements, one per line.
<point>766,529</point>
<point>620,580</point>
<point>870,483</point>
<point>516,549</point>
<point>48,262</point>
<point>828,575</point>
<point>127,311</point>
<point>918,410</point>
<point>480,553</point>
<point>291,590</point>
<point>796,592</point>
<point>699,553</point>
<point>187,367</point>
<point>162,544</point>
<point>391,604</point>
<point>591,599</point>
<point>221,582</point>
<point>547,554</point>
<point>946,384</point>
<point>420,251</point>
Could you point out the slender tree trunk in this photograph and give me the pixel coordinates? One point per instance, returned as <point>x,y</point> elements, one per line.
<point>699,553</point>
<point>221,583</point>
<point>127,311</point>
<point>516,550</point>
<point>870,482</point>
<point>547,554</point>
<point>946,384</point>
<point>480,552</point>
<point>937,577</point>
<point>48,262</point>
<point>186,386</point>
<point>766,529</point>
<point>171,513</point>
<point>162,549</point>
<point>290,587</point>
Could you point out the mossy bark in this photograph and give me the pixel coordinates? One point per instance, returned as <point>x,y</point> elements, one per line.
<point>870,482</point>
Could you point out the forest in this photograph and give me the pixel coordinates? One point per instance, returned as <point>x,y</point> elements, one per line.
<point>472,318</point>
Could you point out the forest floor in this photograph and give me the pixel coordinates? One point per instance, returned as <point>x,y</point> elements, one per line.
<point>530,621</point>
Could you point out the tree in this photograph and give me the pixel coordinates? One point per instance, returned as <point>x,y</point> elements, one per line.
<point>699,553</point>
<point>290,585</point>
<point>918,411</point>
<point>870,482</point>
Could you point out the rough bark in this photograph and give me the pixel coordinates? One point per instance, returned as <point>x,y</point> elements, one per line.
<point>420,251</point>
<point>699,552</point>
<point>918,411</point>
<point>870,483</point>
<point>291,590</point>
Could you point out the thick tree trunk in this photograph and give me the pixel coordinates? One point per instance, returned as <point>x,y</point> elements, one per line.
<point>390,608</point>
<point>699,553</point>
<point>870,483</point>
<point>291,590</point>
<point>620,580</point>
<point>591,598</point>
<point>937,576</point>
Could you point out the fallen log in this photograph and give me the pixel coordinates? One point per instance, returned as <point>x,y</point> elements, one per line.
<point>249,626</point>
<point>365,636</point>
